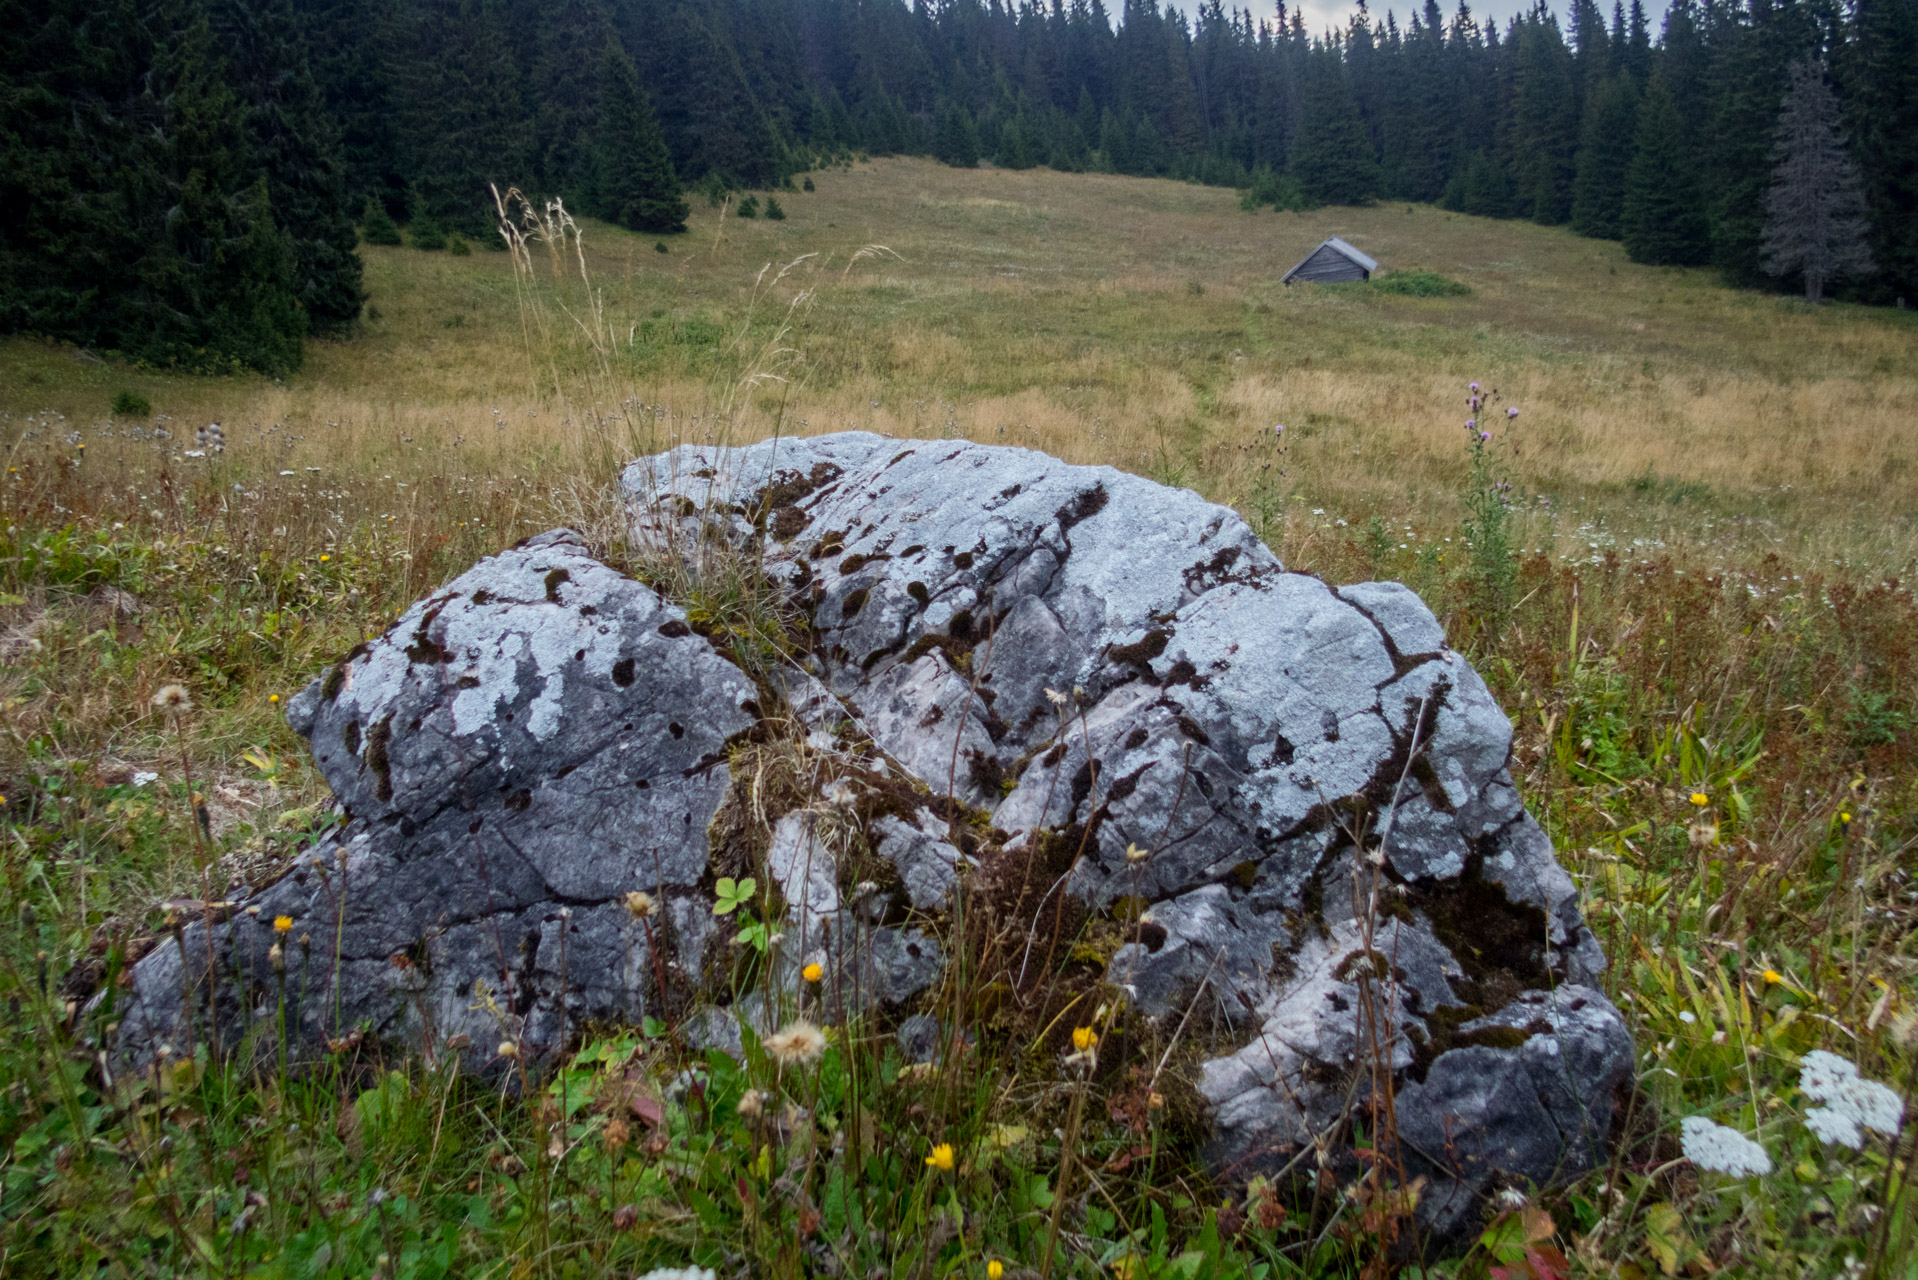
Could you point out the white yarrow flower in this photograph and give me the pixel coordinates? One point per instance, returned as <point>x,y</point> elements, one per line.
<point>1712,1146</point>
<point>1851,1101</point>
<point>680,1273</point>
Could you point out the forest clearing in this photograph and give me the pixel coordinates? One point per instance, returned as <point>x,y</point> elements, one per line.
<point>1676,538</point>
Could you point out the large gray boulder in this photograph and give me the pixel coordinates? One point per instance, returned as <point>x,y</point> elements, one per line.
<point>1305,790</point>
<point>525,747</point>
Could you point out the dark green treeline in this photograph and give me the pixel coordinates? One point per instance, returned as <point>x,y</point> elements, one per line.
<point>181,174</point>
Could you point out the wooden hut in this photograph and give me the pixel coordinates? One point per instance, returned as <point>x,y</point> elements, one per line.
<point>1333,262</point>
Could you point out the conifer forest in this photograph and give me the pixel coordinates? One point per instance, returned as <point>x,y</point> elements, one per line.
<point>183,178</point>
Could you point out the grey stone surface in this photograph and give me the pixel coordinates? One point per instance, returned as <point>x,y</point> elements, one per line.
<point>1292,804</point>
<point>1298,784</point>
<point>524,747</point>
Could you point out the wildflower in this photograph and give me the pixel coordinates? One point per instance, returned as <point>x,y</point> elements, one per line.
<point>752,1103</point>
<point>1850,1101</point>
<point>680,1273</point>
<point>508,1050</point>
<point>1084,1038</point>
<point>142,777</point>
<point>276,956</point>
<point>1056,698</point>
<point>283,924</point>
<point>324,559</point>
<point>174,698</point>
<point>1135,855</point>
<point>1845,818</point>
<point>1721,1150</point>
<point>1278,429</point>
<point>796,1042</point>
<point>1700,799</point>
<point>995,1270</point>
<point>1773,976</point>
<point>1511,411</point>
<point>813,972</point>
<point>1511,1200</point>
<point>1484,436</point>
<point>941,1157</point>
<point>1474,386</point>
<point>273,697</point>
<point>1471,424</point>
<point>639,905</point>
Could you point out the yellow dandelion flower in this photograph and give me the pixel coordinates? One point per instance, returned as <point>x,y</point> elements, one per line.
<point>324,559</point>
<point>995,1270</point>
<point>941,1157</point>
<point>1845,818</point>
<point>1700,799</point>
<point>1084,1038</point>
<point>813,972</point>
<point>283,924</point>
<point>1772,975</point>
<point>272,697</point>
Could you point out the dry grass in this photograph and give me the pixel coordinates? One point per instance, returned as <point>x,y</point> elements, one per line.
<point>1117,320</point>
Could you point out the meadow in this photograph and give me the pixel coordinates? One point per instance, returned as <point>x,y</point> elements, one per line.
<point>1683,566</point>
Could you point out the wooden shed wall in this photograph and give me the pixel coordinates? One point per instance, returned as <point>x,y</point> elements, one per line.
<point>1328,265</point>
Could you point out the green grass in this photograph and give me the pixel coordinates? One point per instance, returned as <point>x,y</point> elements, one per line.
<point>1704,594</point>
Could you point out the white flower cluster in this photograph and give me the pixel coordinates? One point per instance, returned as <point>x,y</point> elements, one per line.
<point>1851,1101</point>
<point>1721,1150</point>
<point>680,1273</point>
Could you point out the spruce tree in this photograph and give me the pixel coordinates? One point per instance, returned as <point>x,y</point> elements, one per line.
<point>460,122</point>
<point>955,139</point>
<point>1879,67</point>
<point>1662,219</point>
<point>1333,158</point>
<point>292,141</point>
<point>1604,158</point>
<point>635,181</point>
<point>377,225</point>
<point>1815,223</point>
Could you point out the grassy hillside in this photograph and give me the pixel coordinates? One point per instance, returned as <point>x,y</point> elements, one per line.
<point>1682,568</point>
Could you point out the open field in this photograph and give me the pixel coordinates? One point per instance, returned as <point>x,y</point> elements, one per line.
<point>1703,631</point>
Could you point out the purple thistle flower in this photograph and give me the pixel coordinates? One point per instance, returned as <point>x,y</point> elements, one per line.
<point>1471,424</point>
<point>1484,436</point>
<point>1279,429</point>
<point>1512,411</point>
<point>1475,386</point>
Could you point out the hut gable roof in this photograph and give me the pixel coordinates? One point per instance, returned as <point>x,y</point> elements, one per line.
<point>1344,250</point>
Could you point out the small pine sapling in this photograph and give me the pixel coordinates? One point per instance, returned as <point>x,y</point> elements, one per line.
<point>749,207</point>
<point>773,210</point>
<point>377,225</point>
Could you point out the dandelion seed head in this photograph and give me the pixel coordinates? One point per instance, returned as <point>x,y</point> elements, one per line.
<point>639,905</point>
<point>1721,1150</point>
<point>173,698</point>
<point>796,1042</point>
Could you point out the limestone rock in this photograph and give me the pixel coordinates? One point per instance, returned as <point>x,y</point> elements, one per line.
<point>526,746</point>
<point>1299,795</point>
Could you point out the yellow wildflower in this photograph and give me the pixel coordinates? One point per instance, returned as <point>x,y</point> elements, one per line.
<point>995,1270</point>
<point>324,559</point>
<point>941,1157</point>
<point>1084,1038</point>
<point>283,924</point>
<point>813,972</point>
<point>1845,818</point>
<point>1772,975</point>
<point>1700,799</point>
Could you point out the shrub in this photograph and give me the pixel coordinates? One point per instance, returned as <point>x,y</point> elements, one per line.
<point>807,184</point>
<point>427,233</point>
<point>132,404</point>
<point>457,246</point>
<point>749,207</point>
<point>1418,283</point>
<point>773,210</point>
<point>659,246</point>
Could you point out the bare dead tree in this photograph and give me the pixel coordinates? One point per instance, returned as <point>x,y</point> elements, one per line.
<point>1815,210</point>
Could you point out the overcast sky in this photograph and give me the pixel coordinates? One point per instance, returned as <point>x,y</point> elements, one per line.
<point>1323,14</point>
